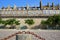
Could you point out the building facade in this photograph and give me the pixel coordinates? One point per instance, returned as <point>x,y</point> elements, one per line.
<point>41,12</point>
<point>47,10</point>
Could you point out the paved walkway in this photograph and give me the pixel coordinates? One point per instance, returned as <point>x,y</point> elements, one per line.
<point>47,34</point>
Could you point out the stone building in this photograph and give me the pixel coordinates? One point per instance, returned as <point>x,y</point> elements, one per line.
<point>36,13</point>
<point>46,10</point>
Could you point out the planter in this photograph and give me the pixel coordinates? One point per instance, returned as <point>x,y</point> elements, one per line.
<point>23,27</point>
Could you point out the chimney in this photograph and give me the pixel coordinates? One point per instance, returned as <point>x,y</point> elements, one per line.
<point>41,5</point>
<point>48,6</point>
<point>52,5</point>
<point>59,6</point>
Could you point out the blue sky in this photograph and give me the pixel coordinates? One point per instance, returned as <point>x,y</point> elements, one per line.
<point>23,3</point>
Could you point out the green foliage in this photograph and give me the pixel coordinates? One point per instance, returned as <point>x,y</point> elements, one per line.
<point>0,20</point>
<point>9,22</point>
<point>29,21</point>
<point>43,22</point>
<point>17,22</point>
<point>52,21</point>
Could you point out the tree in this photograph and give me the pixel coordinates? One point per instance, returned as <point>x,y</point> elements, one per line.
<point>0,20</point>
<point>17,22</point>
<point>52,21</point>
<point>29,21</point>
<point>2,23</point>
<point>12,23</point>
<point>44,24</point>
